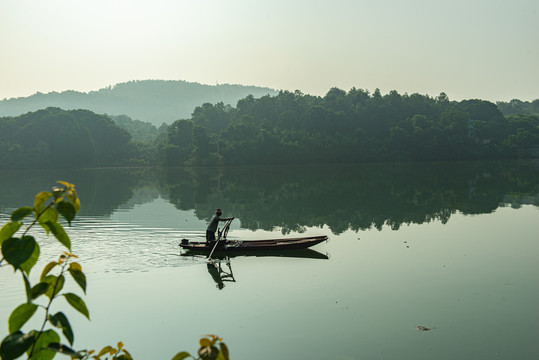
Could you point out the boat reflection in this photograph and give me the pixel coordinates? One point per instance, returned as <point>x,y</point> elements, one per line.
<point>298,253</point>
<point>221,275</point>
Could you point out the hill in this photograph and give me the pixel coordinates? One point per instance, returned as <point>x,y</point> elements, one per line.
<point>56,138</point>
<point>153,101</point>
<point>349,127</point>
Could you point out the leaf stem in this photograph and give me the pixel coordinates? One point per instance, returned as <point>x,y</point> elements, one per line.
<point>36,219</point>
<point>53,296</point>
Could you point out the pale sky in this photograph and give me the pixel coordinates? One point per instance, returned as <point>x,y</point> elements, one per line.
<point>481,49</point>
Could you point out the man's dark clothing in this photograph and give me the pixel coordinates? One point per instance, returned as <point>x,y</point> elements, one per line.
<point>212,227</point>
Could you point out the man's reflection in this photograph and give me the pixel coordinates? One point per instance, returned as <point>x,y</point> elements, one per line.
<point>218,274</point>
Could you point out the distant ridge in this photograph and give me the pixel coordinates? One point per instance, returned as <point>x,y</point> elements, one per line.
<point>154,101</point>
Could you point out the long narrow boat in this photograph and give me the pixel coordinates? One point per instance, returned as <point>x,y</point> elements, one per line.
<point>234,246</point>
<point>254,245</point>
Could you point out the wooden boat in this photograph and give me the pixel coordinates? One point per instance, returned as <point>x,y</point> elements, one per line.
<point>246,246</point>
<point>254,245</point>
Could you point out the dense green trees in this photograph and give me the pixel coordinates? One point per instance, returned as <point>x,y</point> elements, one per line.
<point>289,128</point>
<point>516,106</point>
<point>55,138</point>
<point>139,130</point>
<point>524,131</point>
<point>347,127</point>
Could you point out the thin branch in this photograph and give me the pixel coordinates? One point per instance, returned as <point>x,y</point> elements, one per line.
<point>36,219</point>
<point>48,308</point>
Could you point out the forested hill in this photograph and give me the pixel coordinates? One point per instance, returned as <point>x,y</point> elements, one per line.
<point>154,101</point>
<point>287,128</point>
<point>349,127</point>
<point>55,138</point>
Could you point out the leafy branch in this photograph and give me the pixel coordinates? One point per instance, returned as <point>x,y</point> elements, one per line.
<point>22,253</point>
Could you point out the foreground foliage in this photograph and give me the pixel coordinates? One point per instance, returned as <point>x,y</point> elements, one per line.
<point>22,252</point>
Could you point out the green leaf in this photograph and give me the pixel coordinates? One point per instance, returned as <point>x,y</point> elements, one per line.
<point>124,357</point>
<point>77,274</point>
<point>46,228</point>
<point>59,233</point>
<point>17,251</point>
<point>20,316</point>
<point>60,321</point>
<point>48,215</point>
<point>8,230</point>
<point>32,260</point>
<point>21,213</point>
<point>38,290</point>
<point>62,349</point>
<point>205,342</point>
<point>47,269</point>
<point>15,345</point>
<point>208,352</point>
<point>67,210</point>
<point>56,284</point>
<point>106,350</point>
<point>224,351</point>
<point>78,304</point>
<point>127,355</point>
<point>40,199</point>
<point>41,350</point>
<point>182,355</point>
<point>71,194</point>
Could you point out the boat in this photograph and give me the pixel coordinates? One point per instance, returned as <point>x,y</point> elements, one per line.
<point>254,245</point>
<point>248,246</point>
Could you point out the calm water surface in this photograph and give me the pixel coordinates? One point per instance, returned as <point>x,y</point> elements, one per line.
<point>452,247</point>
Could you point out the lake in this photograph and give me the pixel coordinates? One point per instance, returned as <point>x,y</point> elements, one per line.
<point>452,247</point>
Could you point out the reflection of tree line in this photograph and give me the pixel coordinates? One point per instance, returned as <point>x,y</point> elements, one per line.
<point>292,198</point>
<point>349,197</point>
<point>102,191</point>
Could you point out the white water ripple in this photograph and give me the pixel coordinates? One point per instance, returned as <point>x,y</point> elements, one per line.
<point>107,245</point>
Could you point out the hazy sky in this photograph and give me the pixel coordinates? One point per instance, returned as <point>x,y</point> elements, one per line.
<point>486,49</point>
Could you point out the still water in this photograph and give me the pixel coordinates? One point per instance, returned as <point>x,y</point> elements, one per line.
<point>452,247</point>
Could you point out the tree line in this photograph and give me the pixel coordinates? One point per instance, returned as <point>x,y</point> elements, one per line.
<point>56,138</point>
<point>287,128</point>
<point>516,106</point>
<point>348,127</point>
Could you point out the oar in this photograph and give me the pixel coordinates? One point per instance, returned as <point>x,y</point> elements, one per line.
<point>214,247</point>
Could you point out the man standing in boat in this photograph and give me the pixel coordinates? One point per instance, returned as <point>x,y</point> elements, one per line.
<point>212,227</point>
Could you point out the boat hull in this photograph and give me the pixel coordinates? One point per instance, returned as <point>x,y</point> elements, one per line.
<point>247,246</point>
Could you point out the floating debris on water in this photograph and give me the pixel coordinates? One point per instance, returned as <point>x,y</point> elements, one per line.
<point>422,328</point>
